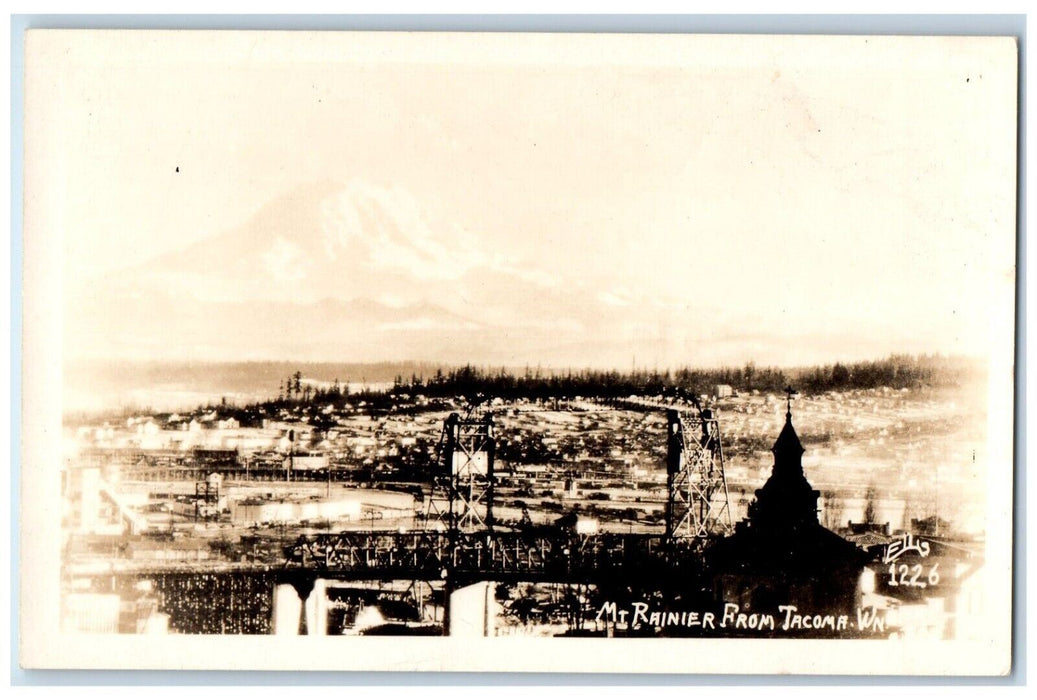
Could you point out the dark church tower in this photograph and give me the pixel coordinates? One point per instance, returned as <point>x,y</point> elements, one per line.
<point>781,555</point>
<point>786,501</point>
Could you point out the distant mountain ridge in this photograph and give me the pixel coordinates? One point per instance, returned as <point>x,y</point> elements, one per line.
<point>331,271</point>
<point>354,272</point>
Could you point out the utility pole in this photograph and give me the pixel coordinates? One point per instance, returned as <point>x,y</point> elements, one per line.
<point>291,456</point>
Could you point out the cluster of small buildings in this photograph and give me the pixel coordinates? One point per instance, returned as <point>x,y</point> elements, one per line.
<point>580,455</point>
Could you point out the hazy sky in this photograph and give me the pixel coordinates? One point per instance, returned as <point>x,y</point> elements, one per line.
<point>795,181</point>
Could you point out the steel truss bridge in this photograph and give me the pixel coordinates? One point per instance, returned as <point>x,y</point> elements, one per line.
<point>458,543</point>
<point>460,558</point>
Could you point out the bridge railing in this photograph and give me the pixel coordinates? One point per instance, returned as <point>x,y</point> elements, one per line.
<point>370,551</point>
<point>561,555</point>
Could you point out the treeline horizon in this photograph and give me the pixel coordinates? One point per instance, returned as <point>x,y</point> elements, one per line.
<point>243,375</point>
<point>894,372</point>
<point>275,385</point>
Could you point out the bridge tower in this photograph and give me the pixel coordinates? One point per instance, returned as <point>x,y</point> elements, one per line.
<point>697,503</point>
<point>462,492</point>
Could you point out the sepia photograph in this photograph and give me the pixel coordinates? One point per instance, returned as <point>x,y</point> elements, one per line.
<point>530,352</point>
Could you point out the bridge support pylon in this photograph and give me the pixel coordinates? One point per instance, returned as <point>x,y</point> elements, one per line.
<point>697,503</point>
<point>462,493</point>
<point>300,606</point>
<point>473,611</point>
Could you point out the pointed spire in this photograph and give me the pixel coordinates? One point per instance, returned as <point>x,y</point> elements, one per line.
<point>787,498</point>
<point>788,450</point>
<point>787,445</point>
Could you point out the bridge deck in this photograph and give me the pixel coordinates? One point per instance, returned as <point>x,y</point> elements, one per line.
<point>491,555</point>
